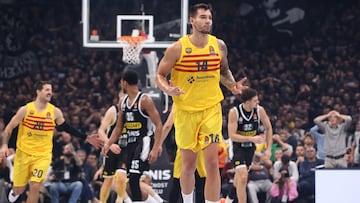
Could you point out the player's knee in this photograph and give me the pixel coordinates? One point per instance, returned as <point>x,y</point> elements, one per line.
<point>243,178</point>
<point>35,186</point>
<point>188,168</point>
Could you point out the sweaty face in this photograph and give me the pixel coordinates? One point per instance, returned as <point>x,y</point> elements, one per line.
<point>202,22</point>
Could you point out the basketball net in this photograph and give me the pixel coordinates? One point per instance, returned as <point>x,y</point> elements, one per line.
<point>132,48</point>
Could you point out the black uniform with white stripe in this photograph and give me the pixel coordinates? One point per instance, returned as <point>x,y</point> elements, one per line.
<point>114,161</point>
<point>248,125</point>
<point>140,132</point>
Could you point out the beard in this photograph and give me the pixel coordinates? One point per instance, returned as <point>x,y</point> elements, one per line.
<point>202,30</point>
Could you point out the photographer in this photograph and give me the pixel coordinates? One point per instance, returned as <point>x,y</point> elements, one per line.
<point>65,177</point>
<point>283,190</point>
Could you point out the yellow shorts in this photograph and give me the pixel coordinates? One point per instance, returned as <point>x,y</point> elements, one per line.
<point>200,165</point>
<point>196,130</point>
<point>28,167</point>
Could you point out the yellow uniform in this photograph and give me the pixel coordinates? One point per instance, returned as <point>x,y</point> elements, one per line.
<point>34,145</point>
<point>198,111</point>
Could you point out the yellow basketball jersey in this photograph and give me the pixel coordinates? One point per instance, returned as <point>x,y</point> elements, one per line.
<point>35,135</point>
<point>197,73</point>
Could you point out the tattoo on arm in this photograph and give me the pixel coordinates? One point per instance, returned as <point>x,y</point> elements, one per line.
<point>226,77</point>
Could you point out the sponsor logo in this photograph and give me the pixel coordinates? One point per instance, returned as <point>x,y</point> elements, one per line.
<point>191,80</point>
<point>188,50</point>
<point>133,125</point>
<point>31,112</point>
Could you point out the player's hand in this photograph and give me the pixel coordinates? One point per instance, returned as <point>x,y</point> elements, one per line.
<point>105,150</point>
<point>154,154</point>
<point>239,87</point>
<point>115,148</point>
<point>174,91</point>
<point>267,154</point>
<point>4,152</point>
<point>95,140</point>
<point>257,139</point>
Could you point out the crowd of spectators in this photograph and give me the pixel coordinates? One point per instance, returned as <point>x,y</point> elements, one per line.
<point>298,78</point>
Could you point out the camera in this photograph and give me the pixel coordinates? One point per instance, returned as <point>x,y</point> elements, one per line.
<point>285,175</point>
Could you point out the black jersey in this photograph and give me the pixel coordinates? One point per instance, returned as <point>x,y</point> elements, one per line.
<point>248,123</point>
<point>111,127</point>
<point>136,122</point>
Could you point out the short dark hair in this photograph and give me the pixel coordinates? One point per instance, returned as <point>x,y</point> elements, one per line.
<point>285,159</point>
<point>39,85</point>
<point>130,76</point>
<point>247,94</point>
<point>194,8</point>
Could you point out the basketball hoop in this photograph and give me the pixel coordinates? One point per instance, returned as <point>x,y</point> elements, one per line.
<point>132,48</point>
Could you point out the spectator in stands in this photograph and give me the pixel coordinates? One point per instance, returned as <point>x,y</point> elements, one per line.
<point>259,178</point>
<point>66,176</point>
<point>4,180</point>
<point>300,154</point>
<point>335,137</point>
<point>283,190</point>
<point>306,183</point>
<point>319,136</point>
<point>280,143</point>
<point>356,146</point>
<point>308,140</point>
<point>289,165</point>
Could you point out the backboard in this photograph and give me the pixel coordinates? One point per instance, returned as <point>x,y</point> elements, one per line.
<point>105,21</point>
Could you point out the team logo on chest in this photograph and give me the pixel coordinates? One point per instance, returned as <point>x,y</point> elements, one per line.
<point>48,116</point>
<point>188,50</point>
<point>240,120</point>
<point>212,51</point>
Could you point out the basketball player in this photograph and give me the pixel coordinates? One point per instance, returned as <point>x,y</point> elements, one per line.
<point>138,115</point>
<point>198,63</point>
<point>114,169</point>
<point>114,160</point>
<point>200,167</point>
<point>243,124</point>
<point>37,121</point>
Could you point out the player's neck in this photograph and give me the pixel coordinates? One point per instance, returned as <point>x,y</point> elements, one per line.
<point>247,108</point>
<point>199,39</point>
<point>40,105</point>
<point>132,92</point>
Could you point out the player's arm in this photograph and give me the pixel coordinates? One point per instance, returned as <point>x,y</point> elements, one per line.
<point>15,121</point>
<point>171,56</point>
<point>148,105</point>
<point>226,77</point>
<point>109,118</point>
<point>63,126</point>
<point>232,128</point>
<point>167,125</point>
<point>114,137</point>
<point>268,130</point>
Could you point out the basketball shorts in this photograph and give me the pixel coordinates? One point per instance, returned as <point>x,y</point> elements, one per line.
<point>114,162</point>
<point>31,168</point>
<point>243,156</point>
<point>196,130</point>
<point>200,165</point>
<point>137,155</point>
